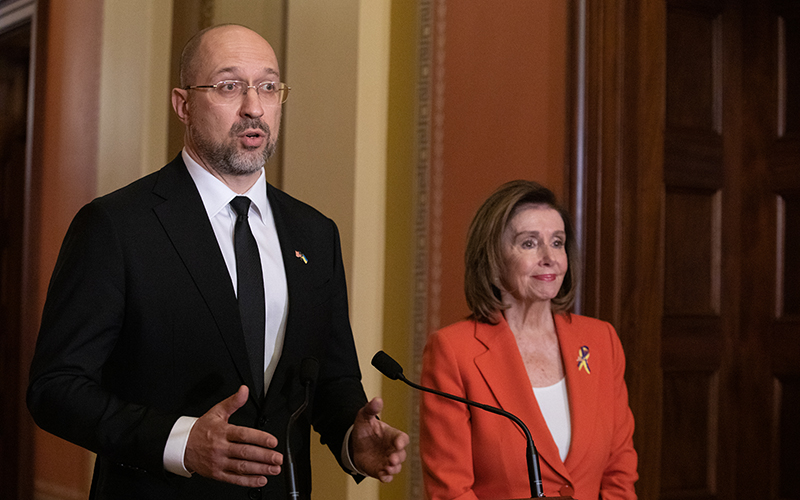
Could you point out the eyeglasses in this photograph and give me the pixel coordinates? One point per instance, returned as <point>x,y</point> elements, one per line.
<point>230,91</point>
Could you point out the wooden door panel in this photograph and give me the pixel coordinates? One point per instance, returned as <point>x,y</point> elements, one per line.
<point>693,332</point>
<point>788,404</point>
<point>689,434</point>
<point>784,172</point>
<point>692,252</point>
<point>693,34</point>
<point>721,422</point>
<point>788,25</point>
<point>789,249</point>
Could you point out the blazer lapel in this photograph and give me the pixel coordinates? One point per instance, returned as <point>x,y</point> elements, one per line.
<point>185,221</point>
<point>504,371</point>
<point>582,389</point>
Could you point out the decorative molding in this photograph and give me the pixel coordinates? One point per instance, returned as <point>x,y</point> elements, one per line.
<point>427,120</point>
<point>437,166</point>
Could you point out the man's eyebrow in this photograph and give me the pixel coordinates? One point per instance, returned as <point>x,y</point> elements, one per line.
<point>236,69</point>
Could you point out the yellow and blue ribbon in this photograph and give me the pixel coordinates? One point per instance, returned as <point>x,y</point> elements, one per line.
<point>301,256</point>
<point>583,359</point>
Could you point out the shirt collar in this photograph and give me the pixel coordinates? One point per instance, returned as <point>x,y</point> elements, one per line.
<point>216,195</point>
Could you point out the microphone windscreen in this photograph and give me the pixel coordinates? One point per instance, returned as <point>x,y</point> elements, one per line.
<point>386,365</point>
<point>309,369</point>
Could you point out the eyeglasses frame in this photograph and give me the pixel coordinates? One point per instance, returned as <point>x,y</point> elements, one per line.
<point>283,89</point>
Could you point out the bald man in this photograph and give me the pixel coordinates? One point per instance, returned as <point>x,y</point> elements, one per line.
<point>150,347</point>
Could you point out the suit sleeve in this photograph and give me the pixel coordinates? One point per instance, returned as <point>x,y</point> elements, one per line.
<point>620,472</point>
<point>445,428</point>
<point>81,323</point>
<point>339,393</point>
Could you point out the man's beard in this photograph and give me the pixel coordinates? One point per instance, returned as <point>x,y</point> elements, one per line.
<point>227,159</point>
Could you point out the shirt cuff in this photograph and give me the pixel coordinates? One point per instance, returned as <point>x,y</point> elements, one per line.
<point>175,449</point>
<point>346,458</point>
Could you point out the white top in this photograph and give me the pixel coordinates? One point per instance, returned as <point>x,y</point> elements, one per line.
<point>554,404</point>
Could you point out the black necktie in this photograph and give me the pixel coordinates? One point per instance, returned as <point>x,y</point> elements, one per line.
<point>250,290</point>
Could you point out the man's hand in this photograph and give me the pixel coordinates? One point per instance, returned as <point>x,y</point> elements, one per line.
<point>229,453</point>
<point>378,448</point>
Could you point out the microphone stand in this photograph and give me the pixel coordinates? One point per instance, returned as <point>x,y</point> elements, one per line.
<point>389,367</point>
<point>308,373</point>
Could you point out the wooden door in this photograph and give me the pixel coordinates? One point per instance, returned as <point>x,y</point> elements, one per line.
<point>15,426</point>
<point>688,186</point>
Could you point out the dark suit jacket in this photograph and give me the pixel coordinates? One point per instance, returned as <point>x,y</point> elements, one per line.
<point>469,453</point>
<point>141,326</point>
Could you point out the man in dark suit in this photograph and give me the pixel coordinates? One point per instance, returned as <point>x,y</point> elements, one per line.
<point>143,354</point>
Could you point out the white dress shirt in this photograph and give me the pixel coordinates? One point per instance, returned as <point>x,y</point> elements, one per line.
<point>216,199</point>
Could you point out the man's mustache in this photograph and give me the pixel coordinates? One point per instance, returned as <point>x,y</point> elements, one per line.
<point>248,124</point>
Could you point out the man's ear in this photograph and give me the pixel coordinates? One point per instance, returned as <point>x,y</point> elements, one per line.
<point>180,103</point>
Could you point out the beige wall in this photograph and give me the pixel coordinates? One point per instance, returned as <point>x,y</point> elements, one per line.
<point>338,175</point>
<point>134,78</point>
<point>335,158</point>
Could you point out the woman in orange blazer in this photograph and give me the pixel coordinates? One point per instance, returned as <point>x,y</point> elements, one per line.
<point>521,350</point>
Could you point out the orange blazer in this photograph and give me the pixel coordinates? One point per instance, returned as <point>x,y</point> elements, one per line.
<point>468,453</point>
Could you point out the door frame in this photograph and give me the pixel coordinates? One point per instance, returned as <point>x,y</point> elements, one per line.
<point>615,176</point>
<point>20,464</point>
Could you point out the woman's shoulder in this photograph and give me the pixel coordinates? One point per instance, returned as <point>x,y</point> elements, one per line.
<point>454,331</point>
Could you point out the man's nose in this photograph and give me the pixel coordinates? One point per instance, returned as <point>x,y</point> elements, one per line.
<point>251,103</point>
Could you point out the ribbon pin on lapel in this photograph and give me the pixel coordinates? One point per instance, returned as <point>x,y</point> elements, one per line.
<point>583,359</point>
<point>301,256</point>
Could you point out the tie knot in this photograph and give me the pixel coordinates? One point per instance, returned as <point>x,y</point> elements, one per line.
<point>241,205</point>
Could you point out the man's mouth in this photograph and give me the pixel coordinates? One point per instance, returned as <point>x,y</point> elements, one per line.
<point>252,138</point>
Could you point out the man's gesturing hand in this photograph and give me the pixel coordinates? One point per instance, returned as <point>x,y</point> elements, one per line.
<point>378,448</point>
<point>229,453</point>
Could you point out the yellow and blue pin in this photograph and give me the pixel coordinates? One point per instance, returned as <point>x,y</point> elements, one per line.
<point>301,256</point>
<point>583,359</point>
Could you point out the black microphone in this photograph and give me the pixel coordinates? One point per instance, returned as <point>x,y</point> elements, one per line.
<point>392,369</point>
<point>309,369</point>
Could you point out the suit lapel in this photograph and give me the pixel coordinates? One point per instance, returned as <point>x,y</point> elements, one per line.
<point>297,272</point>
<point>504,372</point>
<point>581,388</point>
<point>185,221</point>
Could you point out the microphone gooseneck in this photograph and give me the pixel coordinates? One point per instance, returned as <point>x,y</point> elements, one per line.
<point>392,369</point>
<point>309,369</point>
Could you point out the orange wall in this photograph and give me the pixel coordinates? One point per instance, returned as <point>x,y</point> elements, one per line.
<point>499,113</point>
